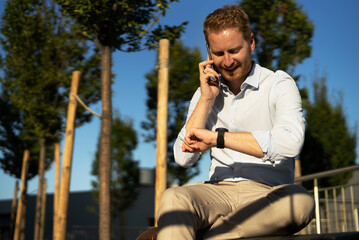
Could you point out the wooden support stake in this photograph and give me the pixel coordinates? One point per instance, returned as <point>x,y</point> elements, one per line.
<point>297,170</point>
<point>57,187</point>
<point>13,210</point>
<point>67,160</point>
<point>42,157</point>
<point>22,198</point>
<point>43,210</point>
<point>23,218</point>
<point>161,135</point>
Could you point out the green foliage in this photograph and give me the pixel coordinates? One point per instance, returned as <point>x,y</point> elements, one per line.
<point>13,142</point>
<point>329,142</point>
<point>42,48</point>
<point>282,32</point>
<point>183,82</point>
<point>122,24</point>
<point>124,170</point>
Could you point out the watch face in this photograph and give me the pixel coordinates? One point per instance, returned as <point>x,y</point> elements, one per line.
<point>221,129</point>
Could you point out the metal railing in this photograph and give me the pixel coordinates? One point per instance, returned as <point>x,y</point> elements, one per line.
<point>341,214</point>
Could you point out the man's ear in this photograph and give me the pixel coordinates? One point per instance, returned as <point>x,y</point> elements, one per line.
<point>252,42</point>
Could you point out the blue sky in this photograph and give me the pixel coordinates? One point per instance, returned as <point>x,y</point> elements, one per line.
<point>335,52</point>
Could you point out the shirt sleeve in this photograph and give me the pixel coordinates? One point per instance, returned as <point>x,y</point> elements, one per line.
<point>286,138</point>
<point>186,159</point>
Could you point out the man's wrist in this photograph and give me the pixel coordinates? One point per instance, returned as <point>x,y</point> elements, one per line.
<point>207,101</point>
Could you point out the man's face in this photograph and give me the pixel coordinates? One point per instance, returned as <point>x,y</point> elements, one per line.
<point>231,54</point>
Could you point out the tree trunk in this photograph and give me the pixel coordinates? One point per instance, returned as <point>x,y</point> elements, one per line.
<point>105,145</point>
<point>20,214</point>
<point>13,210</point>
<point>122,225</point>
<point>39,191</point>
<point>23,216</point>
<point>43,210</point>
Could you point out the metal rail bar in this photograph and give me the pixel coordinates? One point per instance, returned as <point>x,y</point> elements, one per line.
<point>317,209</point>
<point>326,173</point>
<point>315,178</point>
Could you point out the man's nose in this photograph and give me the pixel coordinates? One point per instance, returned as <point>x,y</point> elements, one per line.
<point>228,60</point>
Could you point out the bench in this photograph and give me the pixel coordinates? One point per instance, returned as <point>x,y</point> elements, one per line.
<point>151,234</point>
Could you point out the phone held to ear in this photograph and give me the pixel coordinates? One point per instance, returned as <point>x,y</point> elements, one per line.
<point>210,58</point>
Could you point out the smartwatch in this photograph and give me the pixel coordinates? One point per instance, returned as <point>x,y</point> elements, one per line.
<point>220,137</point>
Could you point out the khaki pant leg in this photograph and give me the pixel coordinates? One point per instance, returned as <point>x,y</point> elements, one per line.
<point>184,211</point>
<point>280,210</point>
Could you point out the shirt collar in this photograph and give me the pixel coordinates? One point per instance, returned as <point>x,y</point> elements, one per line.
<point>253,77</point>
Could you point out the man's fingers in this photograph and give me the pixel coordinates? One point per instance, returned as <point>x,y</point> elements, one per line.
<point>190,146</point>
<point>186,148</point>
<point>204,65</point>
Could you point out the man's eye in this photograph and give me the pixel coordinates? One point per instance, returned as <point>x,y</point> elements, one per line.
<point>235,51</point>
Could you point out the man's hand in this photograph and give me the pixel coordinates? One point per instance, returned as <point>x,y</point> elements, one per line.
<point>209,88</point>
<point>199,140</point>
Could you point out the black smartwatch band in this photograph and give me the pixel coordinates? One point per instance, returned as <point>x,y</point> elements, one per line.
<point>220,137</point>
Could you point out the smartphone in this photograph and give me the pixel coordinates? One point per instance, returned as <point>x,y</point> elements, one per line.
<point>210,58</point>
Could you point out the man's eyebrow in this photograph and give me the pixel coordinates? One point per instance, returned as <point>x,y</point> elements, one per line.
<point>229,50</point>
<point>235,48</point>
<point>218,51</point>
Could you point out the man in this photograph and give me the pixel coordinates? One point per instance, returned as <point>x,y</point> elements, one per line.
<point>250,119</point>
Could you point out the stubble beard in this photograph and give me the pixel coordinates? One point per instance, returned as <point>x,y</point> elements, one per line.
<point>239,73</point>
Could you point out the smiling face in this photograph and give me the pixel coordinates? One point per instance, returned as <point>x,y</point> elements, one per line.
<point>231,54</point>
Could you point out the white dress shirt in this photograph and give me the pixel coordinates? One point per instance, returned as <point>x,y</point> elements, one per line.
<point>270,107</point>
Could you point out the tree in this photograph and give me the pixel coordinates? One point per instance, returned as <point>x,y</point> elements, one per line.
<point>183,83</point>
<point>282,32</point>
<point>124,171</point>
<point>329,143</point>
<point>13,142</point>
<point>121,25</point>
<point>42,49</point>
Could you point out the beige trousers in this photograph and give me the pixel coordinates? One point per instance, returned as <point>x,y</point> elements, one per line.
<point>232,210</point>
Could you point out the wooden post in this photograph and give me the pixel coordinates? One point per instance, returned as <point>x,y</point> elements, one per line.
<point>21,203</point>
<point>38,207</point>
<point>57,187</point>
<point>13,210</point>
<point>161,134</point>
<point>23,217</point>
<point>67,160</point>
<point>297,170</point>
<point>43,210</point>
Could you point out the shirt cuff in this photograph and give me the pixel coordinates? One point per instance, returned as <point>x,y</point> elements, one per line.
<point>184,159</point>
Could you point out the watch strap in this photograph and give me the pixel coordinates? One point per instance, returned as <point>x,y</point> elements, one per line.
<point>220,137</point>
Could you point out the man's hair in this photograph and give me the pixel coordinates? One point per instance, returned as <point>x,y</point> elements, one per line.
<point>227,17</point>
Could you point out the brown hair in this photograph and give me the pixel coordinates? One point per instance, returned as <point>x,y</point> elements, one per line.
<point>229,16</point>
